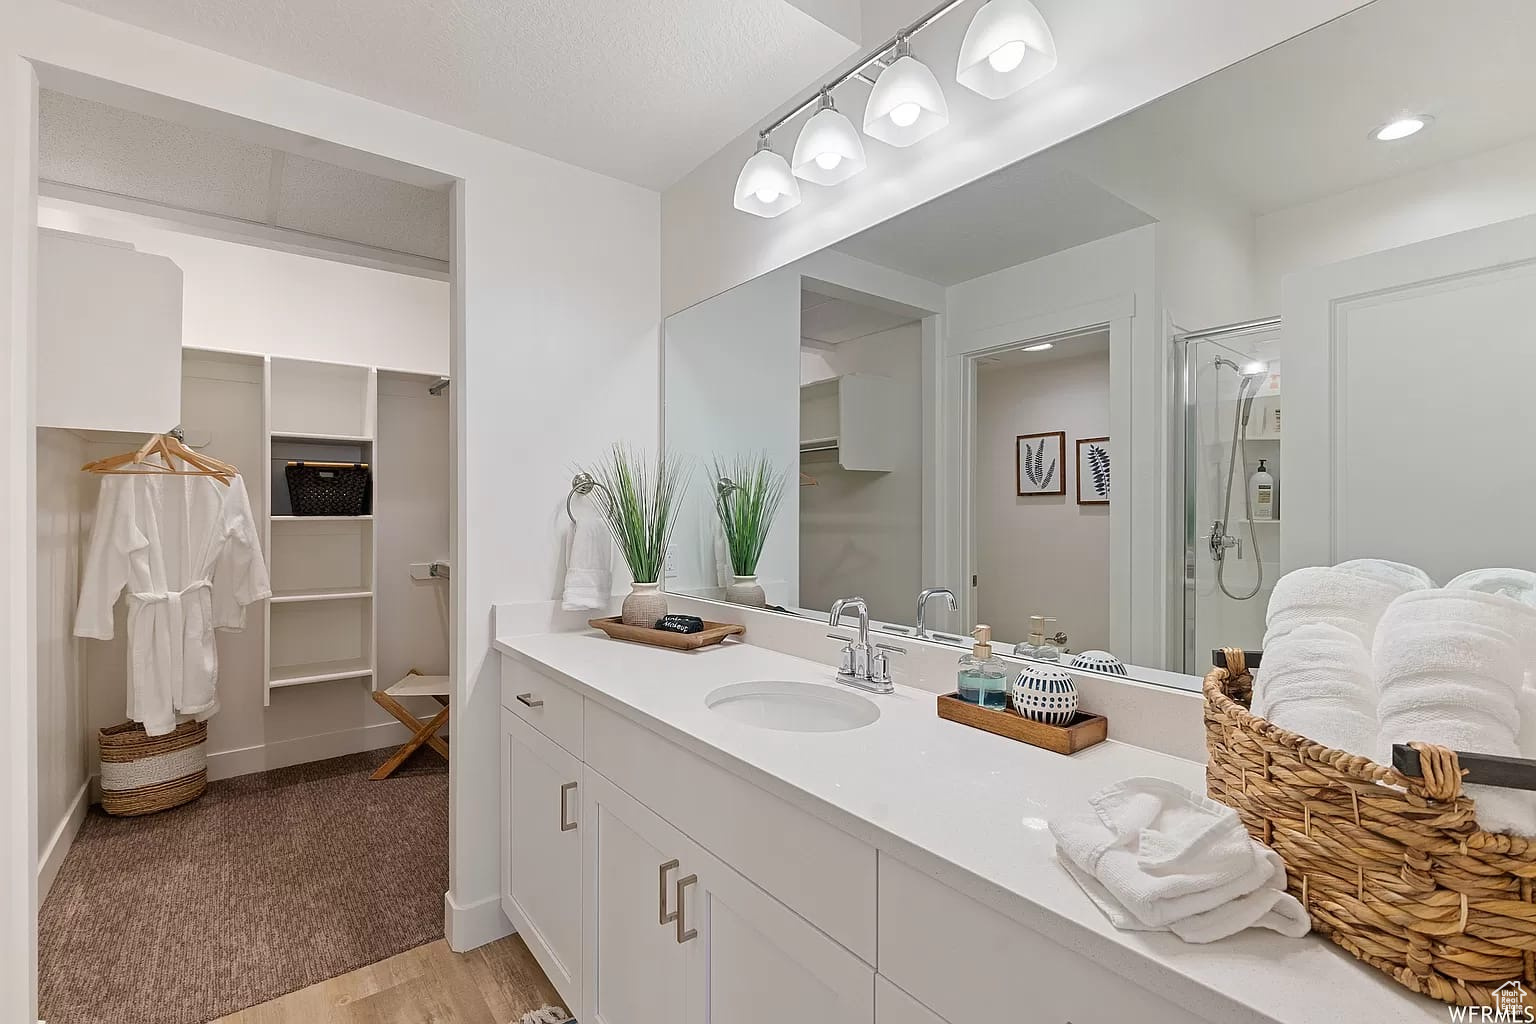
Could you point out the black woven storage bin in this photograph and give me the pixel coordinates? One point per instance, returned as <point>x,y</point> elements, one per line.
<point>329,488</point>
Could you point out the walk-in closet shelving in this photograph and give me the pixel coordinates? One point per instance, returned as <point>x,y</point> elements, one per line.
<point>321,622</point>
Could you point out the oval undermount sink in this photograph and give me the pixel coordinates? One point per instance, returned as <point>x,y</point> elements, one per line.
<point>792,707</point>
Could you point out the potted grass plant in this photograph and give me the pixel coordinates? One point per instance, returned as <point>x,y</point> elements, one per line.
<point>748,492</point>
<point>638,500</point>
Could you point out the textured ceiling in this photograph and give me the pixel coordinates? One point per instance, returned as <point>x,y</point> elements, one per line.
<point>1021,213</point>
<point>641,91</point>
<point>106,149</point>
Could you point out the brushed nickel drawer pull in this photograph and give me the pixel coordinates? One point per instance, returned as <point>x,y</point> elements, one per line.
<point>684,933</point>
<point>527,700</point>
<point>565,793</point>
<point>666,916</point>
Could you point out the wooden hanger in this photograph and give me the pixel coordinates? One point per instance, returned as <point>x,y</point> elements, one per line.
<point>806,480</point>
<point>170,450</point>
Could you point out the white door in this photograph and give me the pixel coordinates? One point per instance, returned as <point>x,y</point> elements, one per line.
<point>1408,382</point>
<point>542,850</point>
<point>754,961</point>
<point>636,969</point>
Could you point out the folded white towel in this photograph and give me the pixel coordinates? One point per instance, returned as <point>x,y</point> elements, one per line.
<point>1519,584</point>
<point>1161,857</point>
<point>1450,665</point>
<point>1316,680</point>
<point>588,565</point>
<point>1352,598</point>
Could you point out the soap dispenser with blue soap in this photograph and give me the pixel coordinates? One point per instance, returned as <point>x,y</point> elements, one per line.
<point>983,678</point>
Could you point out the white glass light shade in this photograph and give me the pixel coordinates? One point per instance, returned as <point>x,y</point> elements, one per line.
<point>1007,46</point>
<point>906,104</point>
<point>765,186</point>
<point>829,150</point>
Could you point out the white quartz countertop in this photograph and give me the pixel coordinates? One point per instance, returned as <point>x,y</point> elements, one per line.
<point>970,809</point>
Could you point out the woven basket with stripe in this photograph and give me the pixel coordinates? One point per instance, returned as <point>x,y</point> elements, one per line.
<point>141,774</point>
<point>1392,868</point>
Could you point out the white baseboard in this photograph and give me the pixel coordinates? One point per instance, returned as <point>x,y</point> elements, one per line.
<point>59,843</point>
<point>473,925</point>
<point>227,764</point>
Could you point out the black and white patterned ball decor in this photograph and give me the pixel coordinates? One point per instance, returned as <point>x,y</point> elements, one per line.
<point>1045,694</point>
<point>1099,661</point>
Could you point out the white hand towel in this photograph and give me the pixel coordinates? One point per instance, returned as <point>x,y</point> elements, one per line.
<point>1316,681</point>
<point>1155,856</point>
<point>1450,665</point>
<point>588,566</point>
<point>1353,599</point>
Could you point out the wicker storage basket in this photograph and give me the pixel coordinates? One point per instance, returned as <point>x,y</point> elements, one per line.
<point>328,488</point>
<point>141,774</point>
<point>1392,868</point>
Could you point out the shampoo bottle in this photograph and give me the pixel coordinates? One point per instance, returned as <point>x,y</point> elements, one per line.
<point>1261,494</point>
<point>983,678</point>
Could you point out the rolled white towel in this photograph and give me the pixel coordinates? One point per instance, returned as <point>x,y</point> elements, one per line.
<point>1353,599</point>
<point>1519,584</point>
<point>1450,665</point>
<point>1316,681</point>
<point>1405,577</point>
<point>1527,704</point>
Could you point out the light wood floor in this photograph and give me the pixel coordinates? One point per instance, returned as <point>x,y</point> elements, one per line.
<point>495,984</point>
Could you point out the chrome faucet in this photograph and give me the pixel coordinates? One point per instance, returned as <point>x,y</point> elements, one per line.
<point>922,606</point>
<point>863,665</point>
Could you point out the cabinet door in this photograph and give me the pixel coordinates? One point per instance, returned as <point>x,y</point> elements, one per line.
<point>636,970</point>
<point>541,849</point>
<point>754,961</point>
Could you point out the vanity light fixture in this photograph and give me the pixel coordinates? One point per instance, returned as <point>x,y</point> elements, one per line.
<point>828,151</point>
<point>1007,46</point>
<point>1041,347</point>
<point>765,186</point>
<point>906,105</point>
<point>1401,128</point>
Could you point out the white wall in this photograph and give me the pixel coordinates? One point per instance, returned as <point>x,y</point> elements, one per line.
<point>1041,554</point>
<point>1114,56</point>
<point>862,533</point>
<point>733,388</point>
<point>557,272</point>
<point>244,298</point>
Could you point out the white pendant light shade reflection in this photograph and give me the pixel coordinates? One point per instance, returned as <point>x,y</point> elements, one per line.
<point>829,150</point>
<point>1007,47</point>
<point>906,105</point>
<point>765,186</point>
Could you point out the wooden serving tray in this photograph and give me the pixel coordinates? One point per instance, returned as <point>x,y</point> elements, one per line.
<point>1085,730</point>
<point>713,633</point>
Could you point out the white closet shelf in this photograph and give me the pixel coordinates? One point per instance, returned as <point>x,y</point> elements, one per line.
<point>320,594</point>
<point>323,519</point>
<point>285,435</point>
<point>320,672</point>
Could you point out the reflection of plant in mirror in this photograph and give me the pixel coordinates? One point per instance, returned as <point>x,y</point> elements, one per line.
<point>639,502</point>
<point>748,491</point>
<point>1034,466</point>
<point>1098,466</point>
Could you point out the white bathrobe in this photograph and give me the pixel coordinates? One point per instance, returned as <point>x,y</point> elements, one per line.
<point>186,549</point>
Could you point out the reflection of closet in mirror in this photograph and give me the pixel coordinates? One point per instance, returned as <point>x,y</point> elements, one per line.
<point>861,438</point>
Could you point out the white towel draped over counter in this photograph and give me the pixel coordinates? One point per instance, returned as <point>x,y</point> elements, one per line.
<point>1156,857</point>
<point>588,565</point>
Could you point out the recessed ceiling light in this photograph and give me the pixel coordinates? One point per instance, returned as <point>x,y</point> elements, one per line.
<point>1038,348</point>
<point>1401,128</point>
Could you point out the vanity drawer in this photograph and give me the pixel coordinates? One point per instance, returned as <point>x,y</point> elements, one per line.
<point>820,872</point>
<point>550,707</point>
<point>967,962</point>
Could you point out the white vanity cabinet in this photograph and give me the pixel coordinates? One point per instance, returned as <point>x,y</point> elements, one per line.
<point>541,854</point>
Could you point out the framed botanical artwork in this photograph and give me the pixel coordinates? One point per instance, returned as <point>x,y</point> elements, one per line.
<point>1093,471</point>
<point>1040,463</point>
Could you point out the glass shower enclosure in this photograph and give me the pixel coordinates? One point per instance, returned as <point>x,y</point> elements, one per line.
<point>1231,428</point>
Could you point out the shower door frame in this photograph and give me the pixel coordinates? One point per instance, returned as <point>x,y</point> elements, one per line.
<point>1182,556</point>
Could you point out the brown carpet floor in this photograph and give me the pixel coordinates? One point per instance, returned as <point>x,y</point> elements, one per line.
<point>266,884</point>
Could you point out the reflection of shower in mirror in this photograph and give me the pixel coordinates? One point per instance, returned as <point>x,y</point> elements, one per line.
<point>1221,540</point>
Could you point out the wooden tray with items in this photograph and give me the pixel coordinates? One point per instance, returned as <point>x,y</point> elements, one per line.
<point>1083,731</point>
<point>713,633</point>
